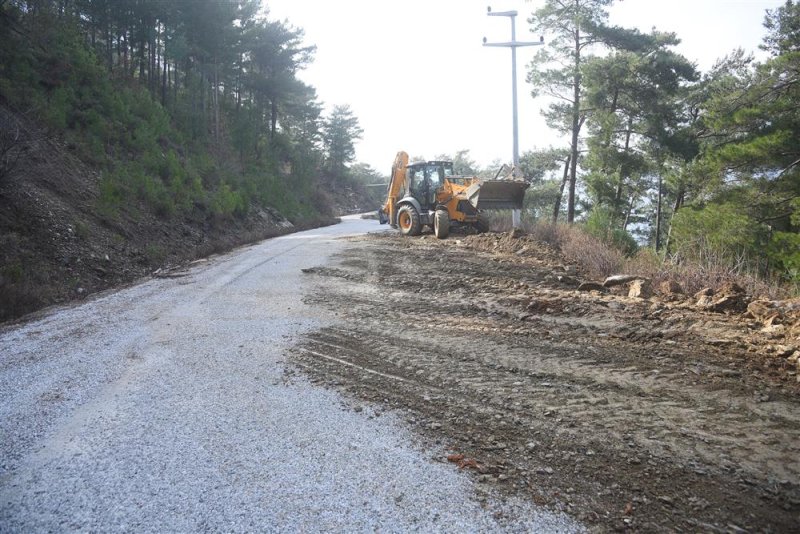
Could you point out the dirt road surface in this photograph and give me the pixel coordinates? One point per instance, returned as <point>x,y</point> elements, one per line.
<point>168,407</point>
<point>629,413</point>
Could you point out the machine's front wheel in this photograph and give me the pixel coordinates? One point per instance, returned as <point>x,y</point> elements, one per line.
<point>408,220</point>
<point>441,224</point>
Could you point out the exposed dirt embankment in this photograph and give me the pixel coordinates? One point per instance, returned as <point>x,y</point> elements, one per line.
<point>57,244</point>
<point>650,414</point>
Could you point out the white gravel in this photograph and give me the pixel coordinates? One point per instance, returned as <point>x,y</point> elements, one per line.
<point>162,408</point>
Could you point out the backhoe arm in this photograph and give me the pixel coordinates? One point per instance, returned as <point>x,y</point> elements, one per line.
<point>397,183</point>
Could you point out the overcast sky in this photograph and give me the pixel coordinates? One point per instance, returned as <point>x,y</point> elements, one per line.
<point>417,77</point>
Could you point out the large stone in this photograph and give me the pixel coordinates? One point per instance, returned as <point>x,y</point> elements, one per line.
<point>729,297</point>
<point>728,303</point>
<point>729,288</point>
<point>704,297</point>
<point>640,289</point>
<point>763,311</point>
<point>670,287</point>
<point>774,312</point>
<point>619,279</point>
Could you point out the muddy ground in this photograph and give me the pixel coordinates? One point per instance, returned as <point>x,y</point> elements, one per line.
<point>628,413</point>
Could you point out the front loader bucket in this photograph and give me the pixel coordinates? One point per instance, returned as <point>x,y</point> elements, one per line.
<point>497,194</point>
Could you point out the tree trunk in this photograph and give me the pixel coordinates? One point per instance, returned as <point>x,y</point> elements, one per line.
<point>273,120</point>
<point>126,63</point>
<point>576,126</point>
<point>141,54</point>
<point>628,212</point>
<point>109,42</point>
<point>166,71</point>
<point>658,215</point>
<point>675,208</point>
<point>557,205</point>
<point>153,71</point>
<point>215,96</point>
<point>623,174</point>
<point>203,94</point>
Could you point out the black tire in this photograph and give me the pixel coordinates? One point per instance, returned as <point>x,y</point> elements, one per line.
<point>408,220</point>
<point>441,224</point>
<point>482,224</point>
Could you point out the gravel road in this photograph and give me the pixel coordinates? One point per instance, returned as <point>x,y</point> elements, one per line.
<point>165,407</point>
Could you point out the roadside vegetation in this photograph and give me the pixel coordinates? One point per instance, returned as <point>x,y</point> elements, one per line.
<point>185,108</point>
<point>671,172</point>
<point>135,135</point>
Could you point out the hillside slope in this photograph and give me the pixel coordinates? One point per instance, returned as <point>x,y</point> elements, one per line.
<point>106,175</point>
<point>55,245</point>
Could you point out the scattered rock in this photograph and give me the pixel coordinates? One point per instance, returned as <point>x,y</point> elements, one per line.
<point>567,280</point>
<point>666,500</point>
<point>591,286</point>
<point>705,292</point>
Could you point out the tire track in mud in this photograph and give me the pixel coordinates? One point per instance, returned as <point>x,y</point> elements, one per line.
<point>566,400</point>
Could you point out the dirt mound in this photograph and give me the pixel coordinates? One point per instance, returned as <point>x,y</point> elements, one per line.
<point>513,242</point>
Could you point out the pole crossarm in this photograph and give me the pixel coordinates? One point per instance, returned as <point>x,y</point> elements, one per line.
<point>515,44</point>
<point>502,13</point>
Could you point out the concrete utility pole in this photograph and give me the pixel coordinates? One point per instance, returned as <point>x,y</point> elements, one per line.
<point>513,45</point>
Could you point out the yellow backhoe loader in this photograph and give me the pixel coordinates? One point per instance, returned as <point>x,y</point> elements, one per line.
<point>429,193</point>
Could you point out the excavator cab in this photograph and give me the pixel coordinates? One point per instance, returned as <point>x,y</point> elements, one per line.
<point>425,180</point>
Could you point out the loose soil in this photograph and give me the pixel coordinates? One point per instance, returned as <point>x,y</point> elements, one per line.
<point>628,413</point>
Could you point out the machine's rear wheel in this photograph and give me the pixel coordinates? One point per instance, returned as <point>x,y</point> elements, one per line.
<point>441,224</point>
<point>408,221</point>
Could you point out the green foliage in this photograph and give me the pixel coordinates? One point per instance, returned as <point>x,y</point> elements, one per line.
<point>112,195</point>
<point>340,132</point>
<point>784,249</point>
<point>719,230</point>
<point>226,202</point>
<point>155,254</point>
<point>82,230</point>
<point>601,224</point>
<point>14,272</point>
<point>161,143</point>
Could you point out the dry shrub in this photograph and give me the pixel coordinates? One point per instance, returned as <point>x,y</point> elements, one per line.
<point>694,276</point>
<point>552,234</point>
<point>593,257</point>
<point>596,259</point>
